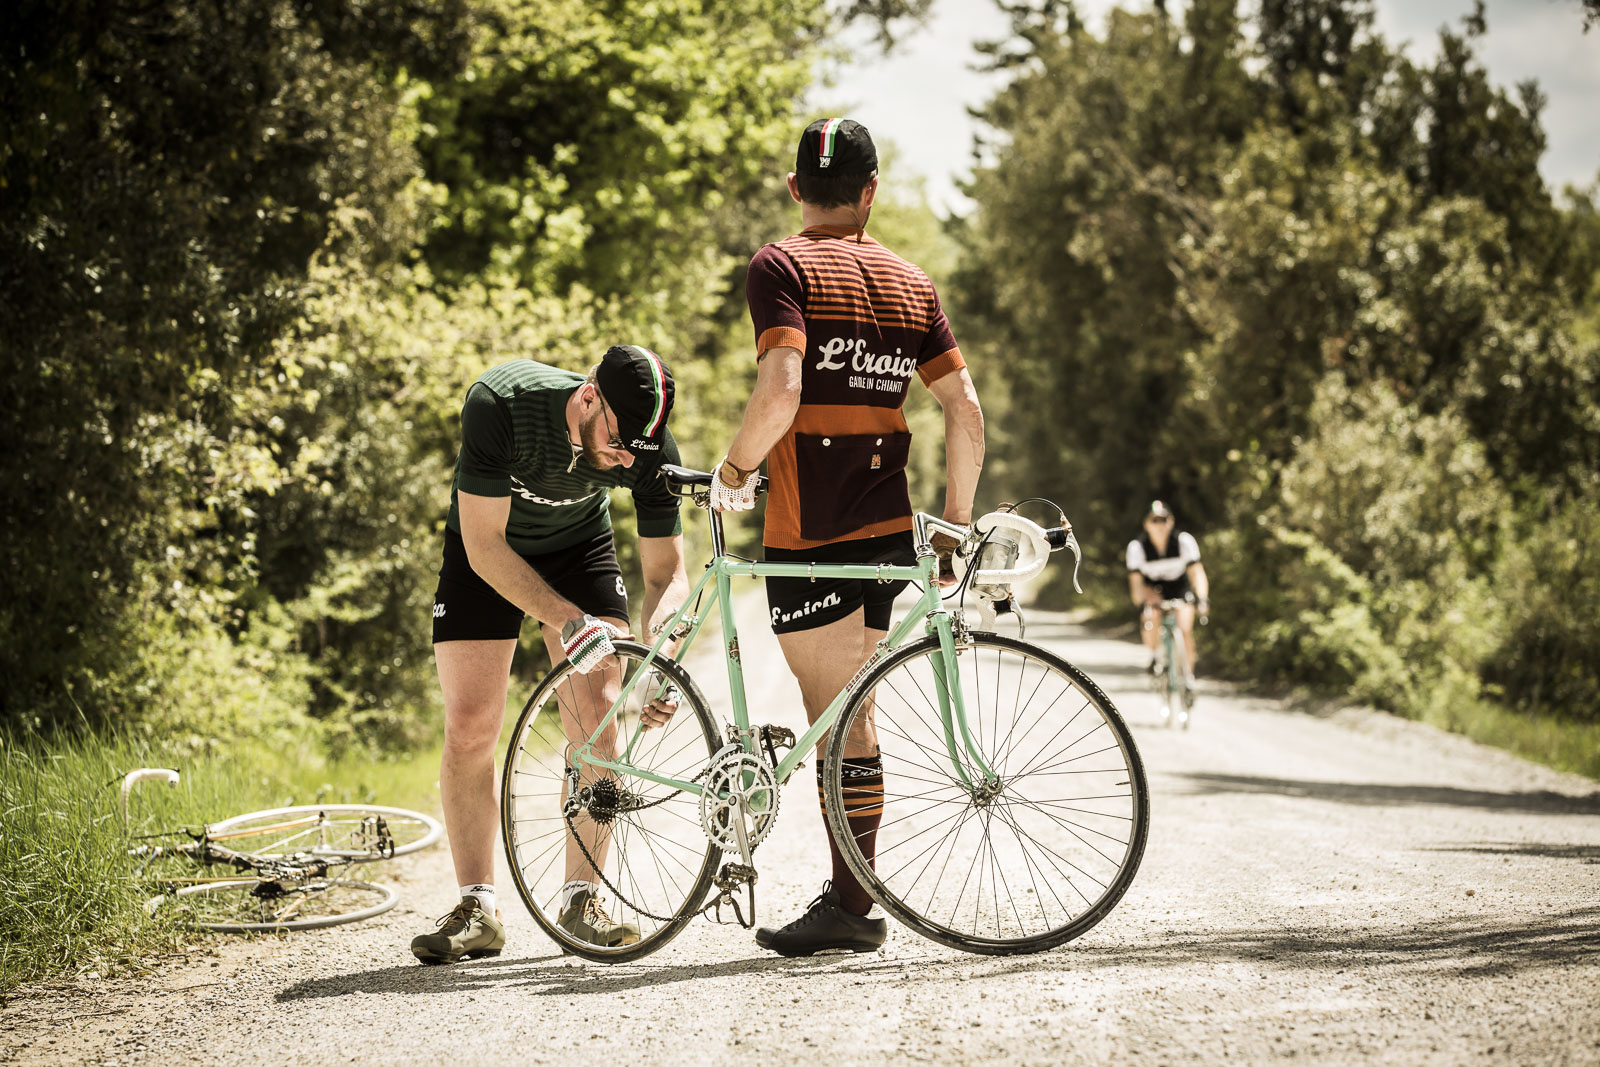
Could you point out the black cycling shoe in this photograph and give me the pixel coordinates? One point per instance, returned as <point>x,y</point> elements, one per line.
<point>825,927</point>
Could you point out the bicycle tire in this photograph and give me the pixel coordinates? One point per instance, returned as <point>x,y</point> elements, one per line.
<point>533,788</point>
<point>881,691</point>
<point>342,830</point>
<point>224,907</point>
<point>1182,685</point>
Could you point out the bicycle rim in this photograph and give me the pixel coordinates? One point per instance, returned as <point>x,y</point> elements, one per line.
<point>254,905</point>
<point>1043,859</point>
<point>353,833</point>
<point>651,850</point>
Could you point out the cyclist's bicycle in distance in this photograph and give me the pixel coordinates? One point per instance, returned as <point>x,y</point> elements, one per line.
<point>1170,674</point>
<point>1015,808</point>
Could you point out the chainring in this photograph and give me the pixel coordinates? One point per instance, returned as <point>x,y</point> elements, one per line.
<point>735,773</point>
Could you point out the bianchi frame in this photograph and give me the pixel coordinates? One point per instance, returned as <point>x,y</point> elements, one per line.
<point>716,584</point>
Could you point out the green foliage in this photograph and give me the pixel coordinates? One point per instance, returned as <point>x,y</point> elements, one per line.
<point>1549,582</point>
<point>1317,296</point>
<point>171,173</point>
<point>250,261</point>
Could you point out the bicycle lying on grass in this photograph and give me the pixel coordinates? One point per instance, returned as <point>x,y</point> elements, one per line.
<point>286,866</point>
<point>1015,808</point>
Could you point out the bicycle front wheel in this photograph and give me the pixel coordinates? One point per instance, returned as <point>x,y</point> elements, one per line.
<point>1021,863</point>
<point>349,833</point>
<point>1180,687</point>
<point>640,841</point>
<point>255,905</point>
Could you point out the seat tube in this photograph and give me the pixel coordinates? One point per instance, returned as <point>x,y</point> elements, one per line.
<point>730,648</point>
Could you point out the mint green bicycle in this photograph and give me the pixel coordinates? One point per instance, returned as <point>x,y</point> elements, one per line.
<point>1015,807</point>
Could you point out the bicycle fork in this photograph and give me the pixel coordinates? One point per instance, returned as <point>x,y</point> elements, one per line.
<point>953,716</point>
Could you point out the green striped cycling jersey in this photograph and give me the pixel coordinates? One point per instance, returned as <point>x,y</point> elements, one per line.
<point>514,443</point>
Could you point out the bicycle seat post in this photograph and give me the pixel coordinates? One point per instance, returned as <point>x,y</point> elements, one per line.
<point>717,548</point>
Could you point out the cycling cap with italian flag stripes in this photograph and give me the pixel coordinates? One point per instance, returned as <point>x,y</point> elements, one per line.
<point>830,146</point>
<point>637,387</point>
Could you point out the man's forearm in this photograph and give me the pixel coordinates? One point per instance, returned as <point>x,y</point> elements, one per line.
<point>664,599</point>
<point>771,411</point>
<point>497,563</point>
<point>963,458</point>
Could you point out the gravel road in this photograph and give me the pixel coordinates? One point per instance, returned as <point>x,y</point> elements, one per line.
<point>1326,888</point>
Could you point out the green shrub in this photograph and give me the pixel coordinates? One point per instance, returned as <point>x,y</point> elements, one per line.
<point>1548,657</point>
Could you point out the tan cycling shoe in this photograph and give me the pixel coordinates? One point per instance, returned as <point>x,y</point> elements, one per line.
<point>586,919</point>
<point>467,931</point>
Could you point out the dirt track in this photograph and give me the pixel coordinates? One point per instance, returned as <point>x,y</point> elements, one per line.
<point>1329,889</point>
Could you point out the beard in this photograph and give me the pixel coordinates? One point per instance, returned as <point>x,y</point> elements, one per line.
<point>592,434</point>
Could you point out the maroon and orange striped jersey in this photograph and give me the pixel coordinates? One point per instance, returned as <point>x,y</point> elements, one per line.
<point>863,319</point>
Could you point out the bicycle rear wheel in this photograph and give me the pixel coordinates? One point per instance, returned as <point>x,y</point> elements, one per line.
<point>1035,860</point>
<point>353,833</point>
<point>255,905</point>
<point>655,862</point>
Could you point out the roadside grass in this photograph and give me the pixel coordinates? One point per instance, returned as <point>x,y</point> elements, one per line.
<point>68,902</point>
<point>1547,739</point>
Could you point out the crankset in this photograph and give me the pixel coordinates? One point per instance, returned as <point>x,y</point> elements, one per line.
<point>739,801</point>
<point>738,805</point>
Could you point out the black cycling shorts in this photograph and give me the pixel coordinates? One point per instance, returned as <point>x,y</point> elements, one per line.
<point>802,604</point>
<point>467,608</point>
<point>1174,590</point>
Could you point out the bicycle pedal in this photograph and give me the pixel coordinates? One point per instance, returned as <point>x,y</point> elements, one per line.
<point>774,738</point>
<point>780,736</point>
<point>734,875</point>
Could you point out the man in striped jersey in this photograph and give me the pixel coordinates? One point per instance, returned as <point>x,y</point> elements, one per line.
<point>529,533</point>
<point>842,325</point>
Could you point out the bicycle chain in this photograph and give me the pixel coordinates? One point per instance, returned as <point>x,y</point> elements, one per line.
<point>589,858</point>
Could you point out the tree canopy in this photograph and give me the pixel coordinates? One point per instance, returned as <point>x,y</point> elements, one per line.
<point>1317,296</point>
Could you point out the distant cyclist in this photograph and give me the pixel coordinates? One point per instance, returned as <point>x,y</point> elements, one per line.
<point>1164,564</point>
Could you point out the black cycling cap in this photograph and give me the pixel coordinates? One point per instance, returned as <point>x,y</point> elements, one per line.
<point>637,387</point>
<point>1158,510</point>
<point>832,146</point>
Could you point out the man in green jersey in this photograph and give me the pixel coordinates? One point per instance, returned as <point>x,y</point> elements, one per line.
<point>529,533</point>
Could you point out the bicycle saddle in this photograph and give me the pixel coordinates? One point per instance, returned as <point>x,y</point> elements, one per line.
<point>683,481</point>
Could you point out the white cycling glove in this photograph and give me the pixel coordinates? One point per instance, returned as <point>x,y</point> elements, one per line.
<point>586,642</point>
<point>738,497</point>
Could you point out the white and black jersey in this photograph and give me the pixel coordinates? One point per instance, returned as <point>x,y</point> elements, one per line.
<point>1167,570</point>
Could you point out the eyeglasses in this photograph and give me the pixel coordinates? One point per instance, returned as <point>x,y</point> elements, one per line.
<point>614,441</point>
<point>1159,520</point>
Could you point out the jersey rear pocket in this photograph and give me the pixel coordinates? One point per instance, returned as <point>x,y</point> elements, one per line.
<point>850,481</point>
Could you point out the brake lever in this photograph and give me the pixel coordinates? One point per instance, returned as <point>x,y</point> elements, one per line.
<point>1077,559</point>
